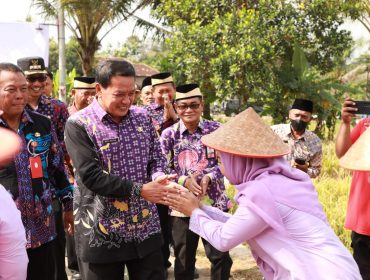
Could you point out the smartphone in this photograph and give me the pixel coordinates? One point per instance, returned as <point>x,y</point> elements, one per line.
<point>363,107</point>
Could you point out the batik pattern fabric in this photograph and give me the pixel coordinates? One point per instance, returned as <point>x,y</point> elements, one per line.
<point>57,112</point>
<point>127,155</point>
<point>156,112</point>
<point>33,196</point>
<point>307,147</point>
<point>187,156</point>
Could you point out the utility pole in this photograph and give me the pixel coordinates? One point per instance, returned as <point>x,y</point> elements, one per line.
<point>62,57</point>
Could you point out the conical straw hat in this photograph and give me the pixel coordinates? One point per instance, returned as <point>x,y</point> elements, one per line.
<point>246,135</point>
<point>9,144</point>
<point>358,155</point>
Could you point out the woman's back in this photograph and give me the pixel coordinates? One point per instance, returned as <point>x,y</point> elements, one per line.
<point>311,251</point>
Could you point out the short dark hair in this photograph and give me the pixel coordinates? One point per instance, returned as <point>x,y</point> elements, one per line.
<point>10,67</point>
<point>113,67</point>
<point>49,73</point>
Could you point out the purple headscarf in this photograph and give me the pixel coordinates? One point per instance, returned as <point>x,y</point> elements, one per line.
<point>261,182</point>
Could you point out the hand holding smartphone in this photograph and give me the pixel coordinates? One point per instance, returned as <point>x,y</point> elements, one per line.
<point>363,107</point>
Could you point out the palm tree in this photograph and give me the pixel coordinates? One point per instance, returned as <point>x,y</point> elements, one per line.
<point>86,18</point>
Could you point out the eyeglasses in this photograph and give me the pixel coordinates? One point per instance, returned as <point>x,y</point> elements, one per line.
<point>33,79</point>
<point>183,107</point>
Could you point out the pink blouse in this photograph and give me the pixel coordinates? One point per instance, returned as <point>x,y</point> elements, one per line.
<point>13,254</point>
<point>310,250</point>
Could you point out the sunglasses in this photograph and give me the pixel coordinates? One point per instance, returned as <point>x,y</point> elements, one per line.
<point>193,106</point>
<point>33,79</point>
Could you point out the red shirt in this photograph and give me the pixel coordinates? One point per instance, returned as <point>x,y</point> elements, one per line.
<point>358,210</point>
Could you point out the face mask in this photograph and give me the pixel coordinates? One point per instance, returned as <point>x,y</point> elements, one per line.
<point>298,125</point>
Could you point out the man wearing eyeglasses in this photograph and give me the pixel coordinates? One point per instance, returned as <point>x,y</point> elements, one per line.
<point>36,75</point>
<point>197,170</point>
<point>35,174</point>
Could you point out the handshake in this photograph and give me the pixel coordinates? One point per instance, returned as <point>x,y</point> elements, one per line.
<point>164,191</point>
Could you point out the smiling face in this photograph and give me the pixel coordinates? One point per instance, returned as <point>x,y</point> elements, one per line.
<point>189,110</point>
<point>117,97</point>
<point>13,93</point>
<point>36,84</point>
<point>162,90</point>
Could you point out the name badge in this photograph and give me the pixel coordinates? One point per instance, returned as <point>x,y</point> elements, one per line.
<point>110,140</point>
<point>210,153</point>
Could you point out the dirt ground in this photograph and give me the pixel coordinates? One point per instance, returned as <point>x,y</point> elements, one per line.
<point>244,266</point>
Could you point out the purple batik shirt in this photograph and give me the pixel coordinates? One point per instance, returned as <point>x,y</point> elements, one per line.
<point>33,196</point>
<point>112,161</point>
<point>156,112</point>
<point>186,156</point>
<point>57,112</point>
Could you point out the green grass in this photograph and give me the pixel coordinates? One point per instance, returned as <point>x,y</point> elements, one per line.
<point>333,187</point>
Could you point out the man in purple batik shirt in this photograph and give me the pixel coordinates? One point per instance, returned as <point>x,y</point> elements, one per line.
<point>197,170</point>
<point>119,178</point>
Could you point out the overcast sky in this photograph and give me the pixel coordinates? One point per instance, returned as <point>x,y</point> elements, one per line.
<point>18,10</point>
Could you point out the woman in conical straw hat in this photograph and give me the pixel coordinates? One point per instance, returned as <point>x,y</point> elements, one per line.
<point>13,254</point>
<point>279,213</point>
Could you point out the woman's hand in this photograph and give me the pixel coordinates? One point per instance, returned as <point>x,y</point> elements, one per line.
<point>184,202</point>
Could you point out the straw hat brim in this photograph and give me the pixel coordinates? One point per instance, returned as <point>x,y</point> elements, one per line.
<point>9,144</point>
<point>246,135</point>
<point>358,155</point>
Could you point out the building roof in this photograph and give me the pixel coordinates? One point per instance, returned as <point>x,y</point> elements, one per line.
<point>143,70</point>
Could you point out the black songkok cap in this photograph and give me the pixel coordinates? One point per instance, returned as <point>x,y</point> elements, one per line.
<point>188,91</point>
<point>32,65</point>
<point>161,78</point>
<point>146,82</point>
<point>84,83</point>
<point>303,104</point>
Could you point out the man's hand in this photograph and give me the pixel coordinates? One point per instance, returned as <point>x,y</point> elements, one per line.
<point>204,183</point>
<point>169,111</point>
<point>184,202</point>
<point>192,185</point>
<point>157,192</point>
<point>68,222</point>
<point>165,179</point>
<point>348,110</point>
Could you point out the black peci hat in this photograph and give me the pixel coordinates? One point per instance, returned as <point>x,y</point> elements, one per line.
<point>84,83</point>
<point>32,65</point>
<point>161,78</point>
<point>303,104</point>
<point>146,82</point>
<point>188,91</point>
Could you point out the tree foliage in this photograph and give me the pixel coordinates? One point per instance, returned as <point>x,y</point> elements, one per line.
<point>73,60</point>
<point>245,49</point>
<point>86,19</point>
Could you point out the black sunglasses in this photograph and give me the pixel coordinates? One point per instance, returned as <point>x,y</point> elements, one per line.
<point>183,107</point>
<point>33,79</point>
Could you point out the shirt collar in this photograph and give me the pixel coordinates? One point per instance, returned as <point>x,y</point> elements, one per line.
<point>101,113</point>
<point>183,128</point>
<point>24,119</point>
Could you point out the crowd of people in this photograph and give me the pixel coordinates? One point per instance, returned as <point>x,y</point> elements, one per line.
<point>117,179</point>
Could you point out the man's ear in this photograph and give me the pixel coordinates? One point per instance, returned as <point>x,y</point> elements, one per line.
<point>73,92</point>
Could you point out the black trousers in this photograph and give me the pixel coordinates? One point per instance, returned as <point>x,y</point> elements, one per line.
<point>186,244</point>
<point>72,262</point>
<point>59,243</point>
<point>41,262</point>
<point>165,221</point>
<point>148,268</point>
<point>361,253</point>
